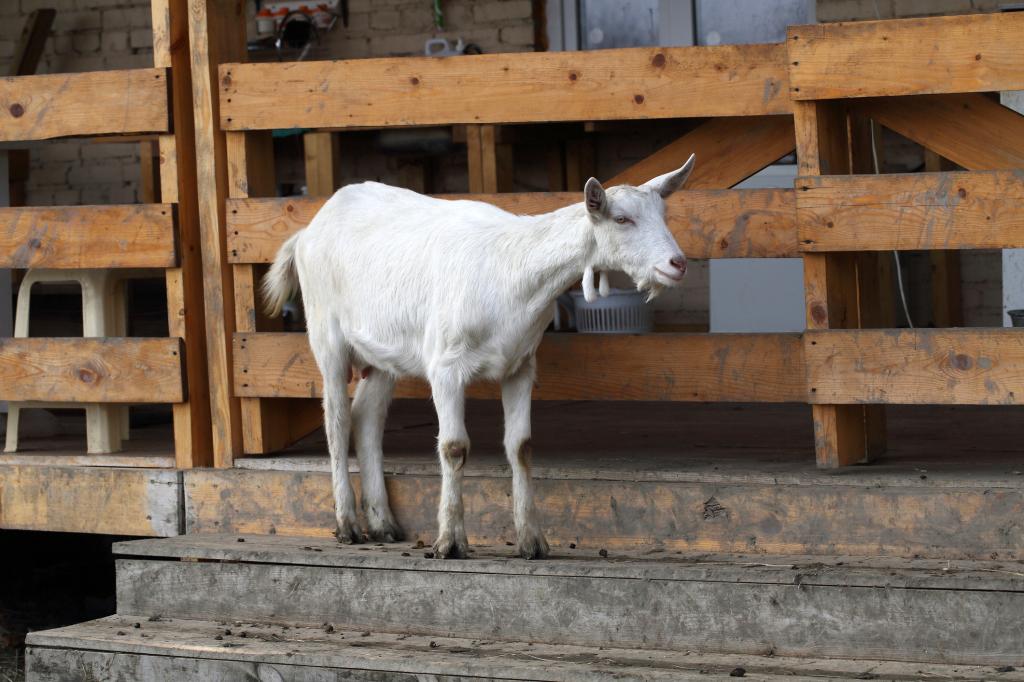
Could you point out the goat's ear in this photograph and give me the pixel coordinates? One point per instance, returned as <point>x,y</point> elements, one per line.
<point>669,182</point>
<point>595,198</point>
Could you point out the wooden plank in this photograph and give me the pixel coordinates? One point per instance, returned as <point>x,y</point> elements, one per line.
<point>596,604</point>
<point>705,223</point>
<point>94,370</point>
<point>83,499</point>
<point>633,83</point>
<point>914,211</point>
<point>918,367</point>
<point>971,130</point>
<point>830,280</point>
<point>968,53</point>
<point>95,103</point>
<point>684,367</point>
<point>177,182</point>
<point>114,236</point>
<point>321,151</point>
<point>729,150</point>
<point>181,650</point>
<point>216,35</point>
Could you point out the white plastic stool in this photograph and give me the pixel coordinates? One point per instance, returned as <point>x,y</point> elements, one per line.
<point>103,314</point>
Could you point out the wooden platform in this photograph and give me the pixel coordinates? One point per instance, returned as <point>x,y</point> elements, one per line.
<point>171,649</point>
<point>967,612</point>
<point>677,477</point>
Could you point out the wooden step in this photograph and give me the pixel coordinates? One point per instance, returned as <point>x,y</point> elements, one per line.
<point>172,649</point>
<point>964,612</point>
<point>638,477</point>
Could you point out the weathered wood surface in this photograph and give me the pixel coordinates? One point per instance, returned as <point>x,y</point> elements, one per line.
<point>94,103</point>
<point>177,183</point>
<point>113,370</point>
<point>189,650</point>
<point>216,33</point>
<point>920,366</point>
<point>971,130</point>
<point>125,236</point>
<point>706,224</point>
<point>972,53</point>
<point>966,210</point>
<point>683,367</point>
<point>633,83</point>
<point>728,150</point>
<point>831,296</point>
<point>730,607</point>
<point>84,499</point>
<point>607,508</point>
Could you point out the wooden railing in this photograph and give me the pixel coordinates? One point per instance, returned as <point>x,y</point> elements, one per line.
<point>155,235</point>
<point>819,94</point>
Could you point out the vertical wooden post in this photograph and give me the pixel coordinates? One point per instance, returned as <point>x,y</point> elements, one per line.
<point>830,280</point>
<point>193,446</point>
<point>947,303</point>
<point>489,161</point>
<point>217,35</point>
<point>323,172</point>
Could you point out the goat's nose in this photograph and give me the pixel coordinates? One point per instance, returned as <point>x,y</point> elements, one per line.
<point>679,263</point>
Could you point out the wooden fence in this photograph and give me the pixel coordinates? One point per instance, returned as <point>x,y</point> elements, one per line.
<point>152,102</point>
<point>819,94</point>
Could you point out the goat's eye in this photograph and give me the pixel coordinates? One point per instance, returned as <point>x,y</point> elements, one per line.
<point>622,220</point>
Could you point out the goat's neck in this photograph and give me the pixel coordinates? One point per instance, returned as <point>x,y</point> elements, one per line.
<point>549,254</point>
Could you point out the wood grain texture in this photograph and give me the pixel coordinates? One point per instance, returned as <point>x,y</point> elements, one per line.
<point>728,150</point>
<point>115,236</point>
<point>78,104</point>
<point>841,433</point>
<point>84,499</point>
<point>114,370</point>
<point>921,366</point>
<point>971,130</point>
<point>181,650</point>
<point>633,83</point>
<point>216,33</point>
<point>706,224</point>
<point>177,182</point>
<point>684,367</point>
<point>970,53</point>
<point>734,609</point>
<point>859,518</point>
<point>966,210</point>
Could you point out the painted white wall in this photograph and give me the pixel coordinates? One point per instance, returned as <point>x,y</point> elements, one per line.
<point>1013,259</point>
<point>759,294</point>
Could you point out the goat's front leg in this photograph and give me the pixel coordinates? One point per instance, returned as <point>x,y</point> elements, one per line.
<point>453,449</point>
<point>515,397</point>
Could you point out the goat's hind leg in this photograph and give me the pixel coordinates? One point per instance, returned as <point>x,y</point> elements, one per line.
<point>369,411</point>
<point>332,358</point>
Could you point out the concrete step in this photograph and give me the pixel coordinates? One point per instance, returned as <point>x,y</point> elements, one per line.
<point>130,647</point>
<point>960,612</point>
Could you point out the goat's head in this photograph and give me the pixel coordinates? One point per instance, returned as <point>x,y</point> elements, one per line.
<point>630,231</point>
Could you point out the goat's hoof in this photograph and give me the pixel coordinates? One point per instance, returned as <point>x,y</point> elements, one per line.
<point>386,531</point>
<point>451,548</point>
<point>533,546</point>
<point>348,533</point>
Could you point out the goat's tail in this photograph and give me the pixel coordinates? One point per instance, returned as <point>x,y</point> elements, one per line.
<point>282,280</point>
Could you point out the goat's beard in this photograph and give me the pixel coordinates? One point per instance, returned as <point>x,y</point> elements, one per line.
<point>651,286</point>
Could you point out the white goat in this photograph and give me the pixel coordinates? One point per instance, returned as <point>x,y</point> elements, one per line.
<point>399,284</point>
